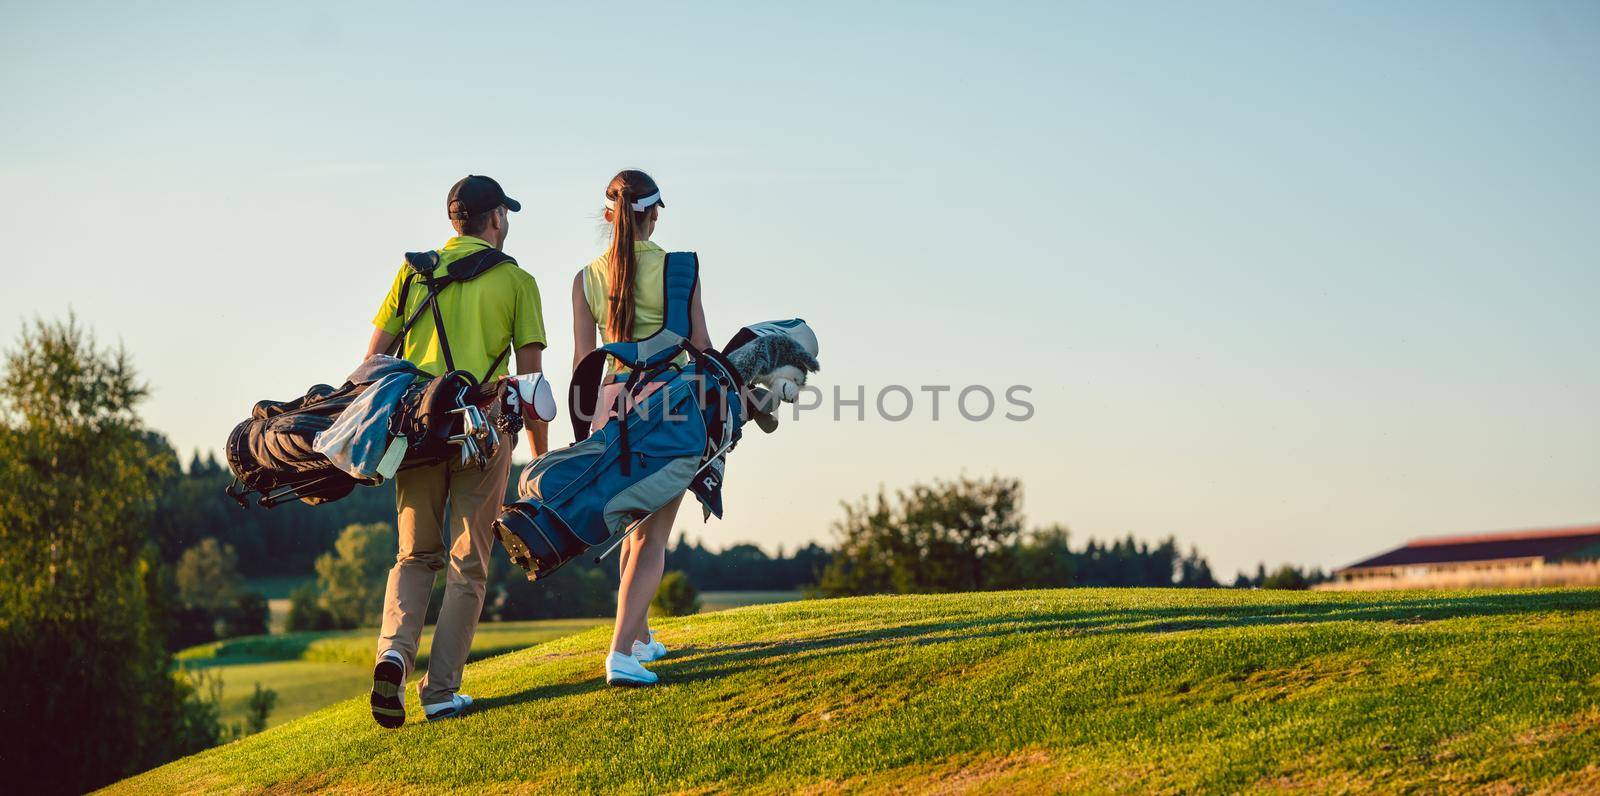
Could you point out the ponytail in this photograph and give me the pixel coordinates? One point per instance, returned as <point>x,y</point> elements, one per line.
<point>623,262</point>
<point>625,189</point>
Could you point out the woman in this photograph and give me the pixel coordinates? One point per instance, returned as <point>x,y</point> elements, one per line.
<point>620,295</point>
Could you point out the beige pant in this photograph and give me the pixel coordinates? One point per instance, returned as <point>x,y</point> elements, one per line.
<point>473,497</point>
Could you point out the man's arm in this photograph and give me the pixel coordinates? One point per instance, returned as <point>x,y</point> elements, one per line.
<point>387,323</point>
<point>380,343</point>
<point>530,359</point>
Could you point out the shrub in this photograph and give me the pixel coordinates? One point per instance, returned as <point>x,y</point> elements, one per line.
<point>306,611</point>
<point>260,707</point>
<point>677,596</point>
<point>351,579</point>
<point>575,591</point>
<point>248,617</point>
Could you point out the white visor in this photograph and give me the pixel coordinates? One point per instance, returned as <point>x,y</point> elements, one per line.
<point>639,206</point>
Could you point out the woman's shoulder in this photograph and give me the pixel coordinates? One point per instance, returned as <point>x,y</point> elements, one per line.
<point>591,279</point>
<point>598,263</point>
<point>595,269</point>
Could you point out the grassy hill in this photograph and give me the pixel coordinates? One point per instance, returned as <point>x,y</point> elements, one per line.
<point>310,671</point>
<point>1003,692</point>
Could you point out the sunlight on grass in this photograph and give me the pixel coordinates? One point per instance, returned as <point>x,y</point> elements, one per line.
<point>1099,689</point>
<point>313,670</point>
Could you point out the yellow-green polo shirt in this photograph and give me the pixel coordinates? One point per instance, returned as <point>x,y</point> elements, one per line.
<point>482,316</point>
<point>650,269</point>
<point>649,281</point>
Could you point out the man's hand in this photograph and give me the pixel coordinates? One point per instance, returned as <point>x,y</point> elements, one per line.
<point>530,359</point>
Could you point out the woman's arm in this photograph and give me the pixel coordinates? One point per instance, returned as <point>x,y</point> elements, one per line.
<point>583,323</point>
<point>698,334</point>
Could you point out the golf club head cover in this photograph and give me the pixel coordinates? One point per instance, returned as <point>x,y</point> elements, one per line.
<point>537,398</point>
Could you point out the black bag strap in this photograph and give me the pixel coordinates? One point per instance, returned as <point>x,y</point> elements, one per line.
<point>425,265</point>
<point>494,366</point>
<point>399,344</point>
<point>434,288</point>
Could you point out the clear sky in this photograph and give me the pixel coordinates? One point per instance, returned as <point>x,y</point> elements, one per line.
<point>1290,281</point>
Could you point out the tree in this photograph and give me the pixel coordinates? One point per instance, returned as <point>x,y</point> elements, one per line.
<point>947,536</point>
<point>249,617</point>
<point>743,567</point>
<point>1194,572</point>
<point>677,596</point>
<point>306,611</point>
<point>208,578</point>
<point>211,596</point>
<point>351,578</point>
<point>967,535</point>
<point>78,482</point>
<point>1289,576</point>
<point>1285,577</point>
<point>1040,559</point>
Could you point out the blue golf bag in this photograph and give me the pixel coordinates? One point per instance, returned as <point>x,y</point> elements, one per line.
<point>656,447</point>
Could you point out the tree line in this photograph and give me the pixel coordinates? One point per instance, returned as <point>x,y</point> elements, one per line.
<point>969,534</point>
<point>348,590</point>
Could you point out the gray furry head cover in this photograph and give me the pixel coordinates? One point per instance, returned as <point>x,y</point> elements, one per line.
<point>777,362</point>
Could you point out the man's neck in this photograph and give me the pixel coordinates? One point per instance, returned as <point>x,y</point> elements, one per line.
<point>486,238</point>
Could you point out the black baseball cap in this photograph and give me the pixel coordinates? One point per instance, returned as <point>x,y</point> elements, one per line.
<point>474,194</point>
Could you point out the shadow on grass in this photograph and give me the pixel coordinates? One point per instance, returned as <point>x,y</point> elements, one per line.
<point>698,663</point>
<point>550,691</point>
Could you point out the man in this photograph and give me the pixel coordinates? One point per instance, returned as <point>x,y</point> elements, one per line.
<point>482,317</point>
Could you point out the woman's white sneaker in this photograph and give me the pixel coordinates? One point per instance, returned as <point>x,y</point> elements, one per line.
<point>625,670</point>
<point>654,651</point>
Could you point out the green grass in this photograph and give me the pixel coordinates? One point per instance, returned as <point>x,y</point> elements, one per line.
<point>313,670</point>
<point>1100,690</point>
<point>303,687</point>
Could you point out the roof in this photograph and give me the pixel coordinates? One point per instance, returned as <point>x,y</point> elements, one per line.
<point>1542,543</point>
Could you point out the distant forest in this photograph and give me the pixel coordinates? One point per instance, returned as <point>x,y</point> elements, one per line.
<point>903,542</point>
<point>287,540</point>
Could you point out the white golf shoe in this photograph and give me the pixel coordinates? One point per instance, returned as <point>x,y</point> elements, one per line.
<point>654,651</point>
<point>625,670</point>
<point>457,705</point>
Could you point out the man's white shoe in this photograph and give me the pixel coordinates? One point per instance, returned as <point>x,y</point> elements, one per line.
<point>654,651</point>
<point>457,705</point>
<point>625,670</point>
<point>389,690</point>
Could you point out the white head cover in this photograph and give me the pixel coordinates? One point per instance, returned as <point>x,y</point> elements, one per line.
<point>639,205</point>
<point>794,328</point>
<point>533,391</point>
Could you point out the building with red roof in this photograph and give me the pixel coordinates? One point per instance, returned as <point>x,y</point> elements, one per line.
<point>1541,557</point>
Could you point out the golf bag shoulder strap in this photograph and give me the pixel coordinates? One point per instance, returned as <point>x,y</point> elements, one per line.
<point>423,265</point>
<point>678,283</point>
